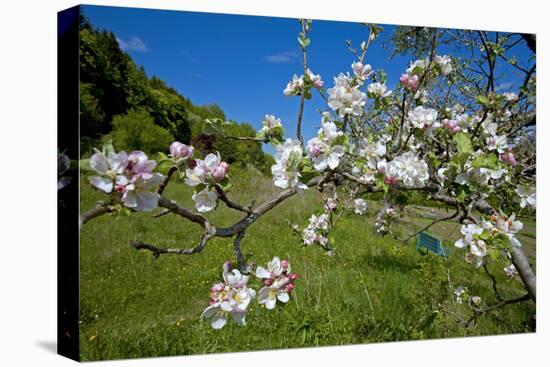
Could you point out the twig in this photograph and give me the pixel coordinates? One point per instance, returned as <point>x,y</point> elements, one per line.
<point>494,281</point>
<point>230,204</point>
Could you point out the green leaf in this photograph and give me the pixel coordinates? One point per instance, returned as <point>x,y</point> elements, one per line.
<point>161,156</point>
<point>462,195</point>
<point>164,165</point>
<point>486,160</point>
<point>304,42</point>
<point>482,100</point>
<point>485,235</point>
<point>463,143</point>
<point>209,128</point>
<point>340,140</point>
<point>85,165</point>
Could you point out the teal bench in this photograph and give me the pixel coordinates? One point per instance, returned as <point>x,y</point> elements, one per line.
<point>432,244</point>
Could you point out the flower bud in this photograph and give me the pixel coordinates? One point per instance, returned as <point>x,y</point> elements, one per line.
<point>390,180</point>
<point>314,150</point>
<point>292,277</point>
<point>220,171</point>
<point>284,264</point>
<point>509,158</point>
<point>179,150</point>
<point>289,287</point>
<point>268,282</point>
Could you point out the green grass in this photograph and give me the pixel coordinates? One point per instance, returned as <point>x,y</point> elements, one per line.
<point>374,289</point>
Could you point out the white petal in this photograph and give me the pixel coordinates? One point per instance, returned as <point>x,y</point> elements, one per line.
<point>129,199</point>
<point>102,183</point>
<point>218,321</point>
<point>263,295</point>
<point>226,306</point>
<point>146,201</point>
<point>261,272</point>
<point>283,296</point>
<point>460,243</point>
<point>98,162</point>
<point>209,311</point>
<point>274,266</point>
<point>270,303</point>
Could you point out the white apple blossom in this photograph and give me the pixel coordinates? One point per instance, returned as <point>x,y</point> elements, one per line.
<point>509,227</point>
<point>459,292</point>
<point>468,231</point>
<point>378,90</point>
<point>408,169</point>
<point>331,203</point>
<point>231,297</point>
<point>278,282</point>
<point>510,271</point>
<point>205,200</point>
<point>423,118</point>
<point>498,143</point>
<point>287,163</point>
<point>315,79</point>
<point>477,247</point>
<point>207,171</point>
<point>445,64</point>
<point>316,230</point>
<point>137,194</point>
<point>510,96</point>
<point>359,206</point>
<point>361,71</point>
<point>295,86</point>
<point>111,168</point>
<point>364,174</point>
<point>269,125</point>
<point>476,300</point>
<point>323,150</point>
<point>417,67</point>
<point>130,175</point>
<point>345,98</point>
<point>527,196</point>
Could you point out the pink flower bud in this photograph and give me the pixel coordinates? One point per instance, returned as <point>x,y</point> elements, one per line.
<point>179,150</point>
<point>220,171</point>
<point>284,264</point>
<point>318,84</point>
<point>289,287</point>
<point>456,129</point>
<point>268,282</point>
<point>314,150</point>
<point>413,83</point>
<point>509,158</point>
<point>292,277</point>
<point>390,180</point>
<point>409,81</point>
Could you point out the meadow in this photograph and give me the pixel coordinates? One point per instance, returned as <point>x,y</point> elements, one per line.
<point>374,289</point>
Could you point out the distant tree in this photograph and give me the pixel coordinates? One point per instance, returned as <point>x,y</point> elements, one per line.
<point>136,130</point>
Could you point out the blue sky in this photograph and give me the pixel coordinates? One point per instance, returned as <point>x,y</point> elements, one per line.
<point>241,63</point>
